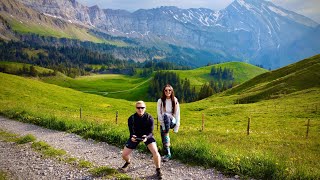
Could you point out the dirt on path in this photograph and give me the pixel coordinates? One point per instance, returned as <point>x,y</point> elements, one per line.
<point>98,153</point>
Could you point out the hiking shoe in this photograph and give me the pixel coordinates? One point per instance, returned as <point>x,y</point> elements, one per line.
<point>125,166</point>
<point>159,173</point>
<point>166,158</point>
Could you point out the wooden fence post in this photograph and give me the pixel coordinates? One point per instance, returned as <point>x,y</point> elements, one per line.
<point>308,125</point>
<point>248,127</point>
<point>202,122</point>
<point>116,117</point>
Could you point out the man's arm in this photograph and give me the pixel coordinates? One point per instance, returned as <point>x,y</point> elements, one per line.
<point>150,128</point>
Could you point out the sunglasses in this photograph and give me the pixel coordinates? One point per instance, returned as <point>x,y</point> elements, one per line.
<point>167,90</point>
<point>140,107</point>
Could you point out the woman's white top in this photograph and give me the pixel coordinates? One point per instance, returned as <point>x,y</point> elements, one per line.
<point>168,110</point>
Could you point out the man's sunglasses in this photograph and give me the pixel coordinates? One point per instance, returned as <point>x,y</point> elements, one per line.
<point>140,107</point>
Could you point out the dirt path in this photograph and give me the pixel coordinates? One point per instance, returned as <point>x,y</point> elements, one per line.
<point>100,154</point>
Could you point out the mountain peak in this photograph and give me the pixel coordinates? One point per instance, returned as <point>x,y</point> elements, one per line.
<point>268,10</point>
<point>251,4</point>
<point>95,7</point>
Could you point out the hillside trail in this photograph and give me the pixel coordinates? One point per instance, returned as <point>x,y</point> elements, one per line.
<point>103,154</point>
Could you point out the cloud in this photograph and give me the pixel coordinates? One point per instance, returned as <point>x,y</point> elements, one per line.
<point>309,8</point>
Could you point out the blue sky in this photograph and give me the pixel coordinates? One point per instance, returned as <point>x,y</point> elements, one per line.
<point>309,8</point>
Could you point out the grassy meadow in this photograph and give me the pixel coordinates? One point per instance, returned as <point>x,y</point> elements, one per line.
<point>241,72</point>
<point>13,67</point>
<point>135,88</point>
<point>277,147</point>
<point>108,85</point>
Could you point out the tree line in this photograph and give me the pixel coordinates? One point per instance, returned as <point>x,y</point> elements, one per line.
<point>62,56</point>
<point>25,71</point>
<point>183,89</point>
<point>68,60</point>
<point>222,80</point>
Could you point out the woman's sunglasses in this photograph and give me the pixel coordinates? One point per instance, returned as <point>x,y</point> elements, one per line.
<point>168,90</point>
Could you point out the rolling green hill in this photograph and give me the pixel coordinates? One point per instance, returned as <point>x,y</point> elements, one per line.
<point>276,148</point>
<point>109,85</point>
<point>295,77</point>
<point>133,88</point>
<point>242,72</point>
<point>14,67</point>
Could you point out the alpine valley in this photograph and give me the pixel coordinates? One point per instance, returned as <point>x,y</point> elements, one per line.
<point>253,31</point>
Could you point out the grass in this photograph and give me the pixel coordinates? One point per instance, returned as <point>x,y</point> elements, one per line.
<point>84,164</point>
<point>26,139</point>
<point>3,175</point>
<point>277,147</point>
<point>47,150</point>
<point>13,67</point>
<point>242,72</point>
<point>108,85</point>
<point>107,173</point>
<point>289,79</point>
<point>8,137</point>
<point>35,52</point>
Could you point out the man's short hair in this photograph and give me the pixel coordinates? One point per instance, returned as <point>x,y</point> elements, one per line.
<point>140,102</point>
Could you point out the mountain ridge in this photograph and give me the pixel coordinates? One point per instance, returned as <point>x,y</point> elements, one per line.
<point>250,30</point>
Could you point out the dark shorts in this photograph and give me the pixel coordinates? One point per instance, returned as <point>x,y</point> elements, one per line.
<point>133,145</point>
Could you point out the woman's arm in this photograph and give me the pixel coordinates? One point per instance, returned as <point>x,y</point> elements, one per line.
<point>177,117</point>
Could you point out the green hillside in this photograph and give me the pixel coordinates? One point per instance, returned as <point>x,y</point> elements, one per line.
<point>242,72</point>
<point>133,88</point>
<point>13,67</point>
<point>295,77</point>
<point>109,85</point>
<point>276,148</point>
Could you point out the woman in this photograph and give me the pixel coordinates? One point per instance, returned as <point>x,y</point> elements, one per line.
<point>168,111</point>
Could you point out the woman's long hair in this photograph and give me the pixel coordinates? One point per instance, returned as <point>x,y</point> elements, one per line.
<point>172,97</point>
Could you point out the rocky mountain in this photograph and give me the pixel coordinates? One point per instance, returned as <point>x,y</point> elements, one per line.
<point>250,30</point>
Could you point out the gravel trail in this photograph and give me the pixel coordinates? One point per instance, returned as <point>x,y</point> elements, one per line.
<point>31,166</point>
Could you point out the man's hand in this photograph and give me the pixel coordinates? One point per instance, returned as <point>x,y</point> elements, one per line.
<point>144,138</point>
<point>133,138</point>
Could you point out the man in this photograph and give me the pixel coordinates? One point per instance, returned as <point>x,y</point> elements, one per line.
<point>141,126</point>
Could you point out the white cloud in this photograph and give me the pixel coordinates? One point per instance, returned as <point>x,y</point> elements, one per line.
<point>309,8</point>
